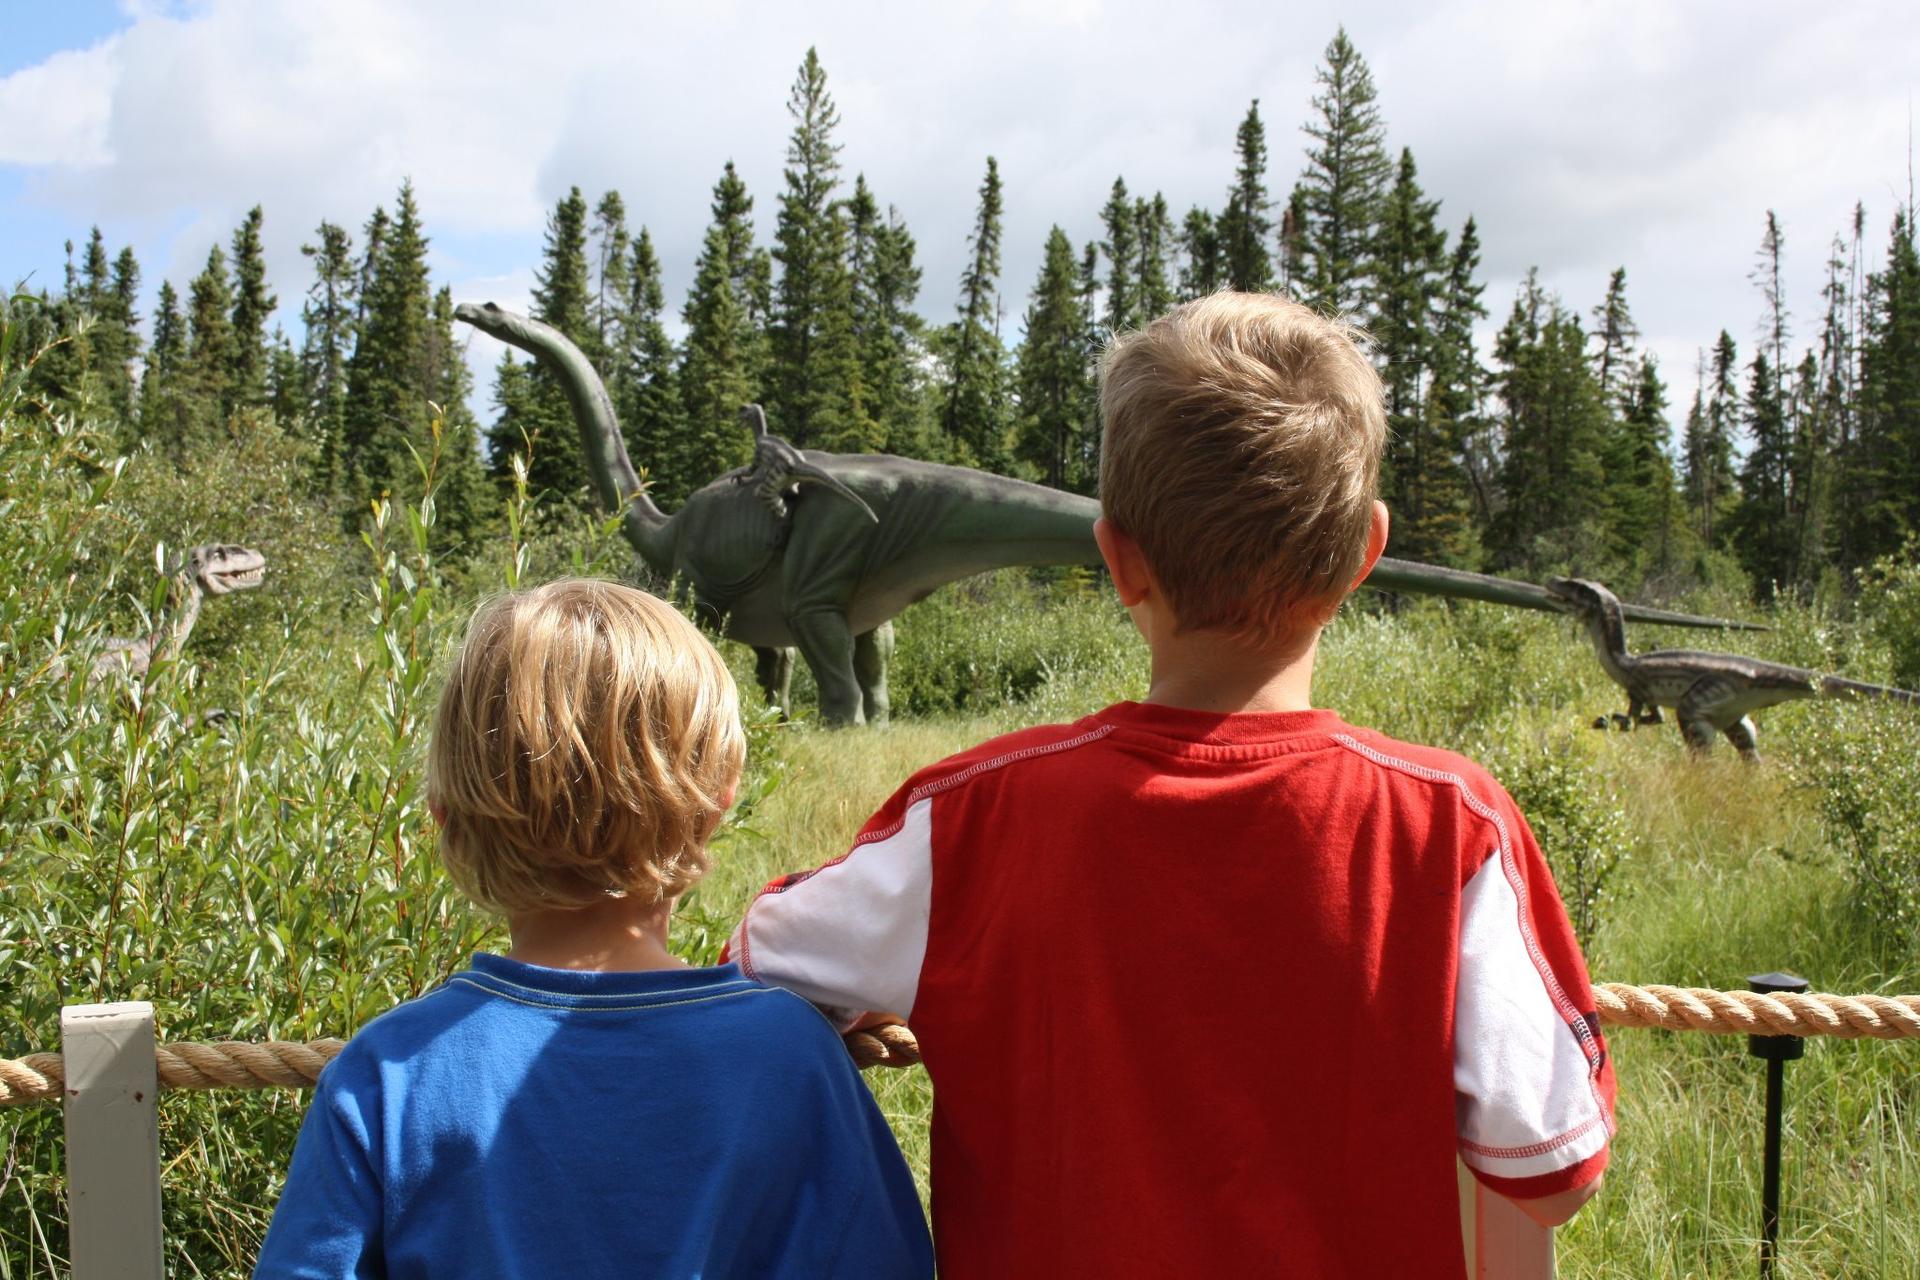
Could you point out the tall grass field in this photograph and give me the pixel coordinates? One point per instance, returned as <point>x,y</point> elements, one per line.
<point>273,874</point>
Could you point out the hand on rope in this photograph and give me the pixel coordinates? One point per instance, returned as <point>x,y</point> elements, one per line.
<point>234,1064</point>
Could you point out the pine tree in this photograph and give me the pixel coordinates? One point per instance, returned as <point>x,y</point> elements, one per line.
<point>1709,486</point>
<point>1412,270</point>
<point>649,400</point>
<point>1762,529</point>
<point>812,295</point>
<point>286,388</point>
<point>1614,330</point>
<point>886,327</point>
<point>1554,426</point>
<point>1881,474</point>
<point>466,501</point>
<point>252,306</point>
<point>1053,376</point>
<point>1122,248</point>
<point>1345,180</point>
<point>165,406</point>
<point>1642,503</point>
<point>123,315</point>
<point>1246,221</point>
<point>611,245</point>
<point>1293,243</point>
<point>1461,483</point>
<point>1154,235</point>
<point>210,344</point>
<point>976,410</point>
<point>563,298</point>
<point>715,368</point>
<point>1202,265</point>
<point>389,380</point>
<point>750,276</point>
<point>328,316</point>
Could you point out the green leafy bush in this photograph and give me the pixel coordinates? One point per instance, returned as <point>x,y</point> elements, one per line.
<point>1891,599</point>
<point>1579,823</point>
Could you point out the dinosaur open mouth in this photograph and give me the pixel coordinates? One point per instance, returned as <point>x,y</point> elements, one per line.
<point>238,579</point>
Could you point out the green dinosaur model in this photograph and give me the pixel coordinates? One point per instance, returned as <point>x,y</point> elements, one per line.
<point>1711,693</point>
<point>819,550</point>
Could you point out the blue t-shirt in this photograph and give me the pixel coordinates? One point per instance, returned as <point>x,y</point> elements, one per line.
<point>521,1121</point>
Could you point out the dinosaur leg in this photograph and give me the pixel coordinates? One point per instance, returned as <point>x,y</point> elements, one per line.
<point>773,669</point>
<point>871,652</point>
<point>1742,734</point>
<point>827,645</point>
<point>1703,710</point>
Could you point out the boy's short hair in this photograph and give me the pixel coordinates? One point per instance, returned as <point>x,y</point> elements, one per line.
<point>1241,451</point>
<point>587,743</point>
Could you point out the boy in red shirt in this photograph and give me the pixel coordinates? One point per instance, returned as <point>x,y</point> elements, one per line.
<point>1215,983</point>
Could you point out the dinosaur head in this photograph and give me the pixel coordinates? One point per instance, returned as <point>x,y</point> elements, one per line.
<point>490,319</point>
<point>220,567</point>
<point>1582,597</point>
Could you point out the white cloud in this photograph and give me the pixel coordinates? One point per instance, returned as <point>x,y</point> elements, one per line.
<point>64,104</point>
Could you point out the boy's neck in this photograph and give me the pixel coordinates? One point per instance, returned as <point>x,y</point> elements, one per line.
<point>1208,671</point>
<point>614,935</point>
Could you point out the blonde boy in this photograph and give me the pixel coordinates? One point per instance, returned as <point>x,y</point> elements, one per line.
<point>587,1104</point>
<point>1215,983</point>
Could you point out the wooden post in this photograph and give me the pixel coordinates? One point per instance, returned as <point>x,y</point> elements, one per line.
<point>113,1141</point>
<point>1502,1242</point>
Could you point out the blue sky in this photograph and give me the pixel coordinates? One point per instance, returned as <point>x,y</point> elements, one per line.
<point>1582,136</point>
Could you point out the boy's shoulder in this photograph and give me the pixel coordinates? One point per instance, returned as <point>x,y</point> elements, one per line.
<point>1446,773</point>
<point>996,753</point>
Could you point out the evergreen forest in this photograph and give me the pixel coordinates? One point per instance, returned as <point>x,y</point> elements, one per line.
<point>1790,456</point>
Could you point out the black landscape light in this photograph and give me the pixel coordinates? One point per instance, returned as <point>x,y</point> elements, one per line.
<point>1777,1051</point>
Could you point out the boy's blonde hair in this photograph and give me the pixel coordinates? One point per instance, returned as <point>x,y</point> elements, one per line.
<point>1242,452</point>
<point>587,743</point>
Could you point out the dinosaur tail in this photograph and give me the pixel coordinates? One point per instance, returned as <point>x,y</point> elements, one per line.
<point>1841,687</point>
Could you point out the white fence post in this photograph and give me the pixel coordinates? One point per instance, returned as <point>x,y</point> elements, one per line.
<point>1502,1242</point>
<point>113,1141</point>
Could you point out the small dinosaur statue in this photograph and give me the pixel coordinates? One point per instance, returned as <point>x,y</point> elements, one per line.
<point>820,550</point>
<point>211,569</point>
<point>1710,693</point>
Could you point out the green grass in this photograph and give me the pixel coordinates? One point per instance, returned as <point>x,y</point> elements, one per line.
<point>277,877</point>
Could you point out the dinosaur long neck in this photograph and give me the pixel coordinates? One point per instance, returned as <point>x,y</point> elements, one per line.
<point>1608,627</point>
<point>183,602</point>
<point>613,474</point>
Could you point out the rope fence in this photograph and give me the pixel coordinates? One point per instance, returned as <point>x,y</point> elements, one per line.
<point>280,1064</point>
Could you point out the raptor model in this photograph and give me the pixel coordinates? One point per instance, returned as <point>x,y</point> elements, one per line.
<point>1710,693</point>
<point>820,550</point>
<point>211,569</point>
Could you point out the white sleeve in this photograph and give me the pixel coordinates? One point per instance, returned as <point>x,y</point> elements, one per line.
<point>1524,1073</point>
<point>852,935</point>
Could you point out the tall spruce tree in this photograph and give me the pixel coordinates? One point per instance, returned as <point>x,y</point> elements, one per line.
<point>1554,427</point>
<point>1053,375</point>
<point>976,408</point>
<point>328,316</point>
<point>1247,219</point>
<point>717,365</point>
<point>1615,333</point>
<point>252,306</point>
<point>536,418</point>
<point>1121,247</point>
<point>210,345</point>
<point>1202,266</point>
<point>1345,180</point>
<point>611,245</point>
<point>1709,484</point>
<point>1642,504</point>
<point>388,384</point>
<point>1412,277</point>
<point>650,409</point>
<point>1763,531</point>
<point>1881,472</point>
<point>1460,485</point>
<point>165,405</point>
<point>887,329</point>
<point>1153,234</point>
<point>811,297</point>
<point>466,500</point>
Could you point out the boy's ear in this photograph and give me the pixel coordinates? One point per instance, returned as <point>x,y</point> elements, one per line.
<point>1125,562</point>
<point>438,810</point>
<point>1376,543</point>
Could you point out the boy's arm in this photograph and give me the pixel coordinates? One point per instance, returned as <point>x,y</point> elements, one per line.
<point>850,936</point>
<point>327,1225</point>
<point>1533,1081</point>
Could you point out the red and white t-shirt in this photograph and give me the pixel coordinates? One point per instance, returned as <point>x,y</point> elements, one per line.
<point>1210,995</point>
